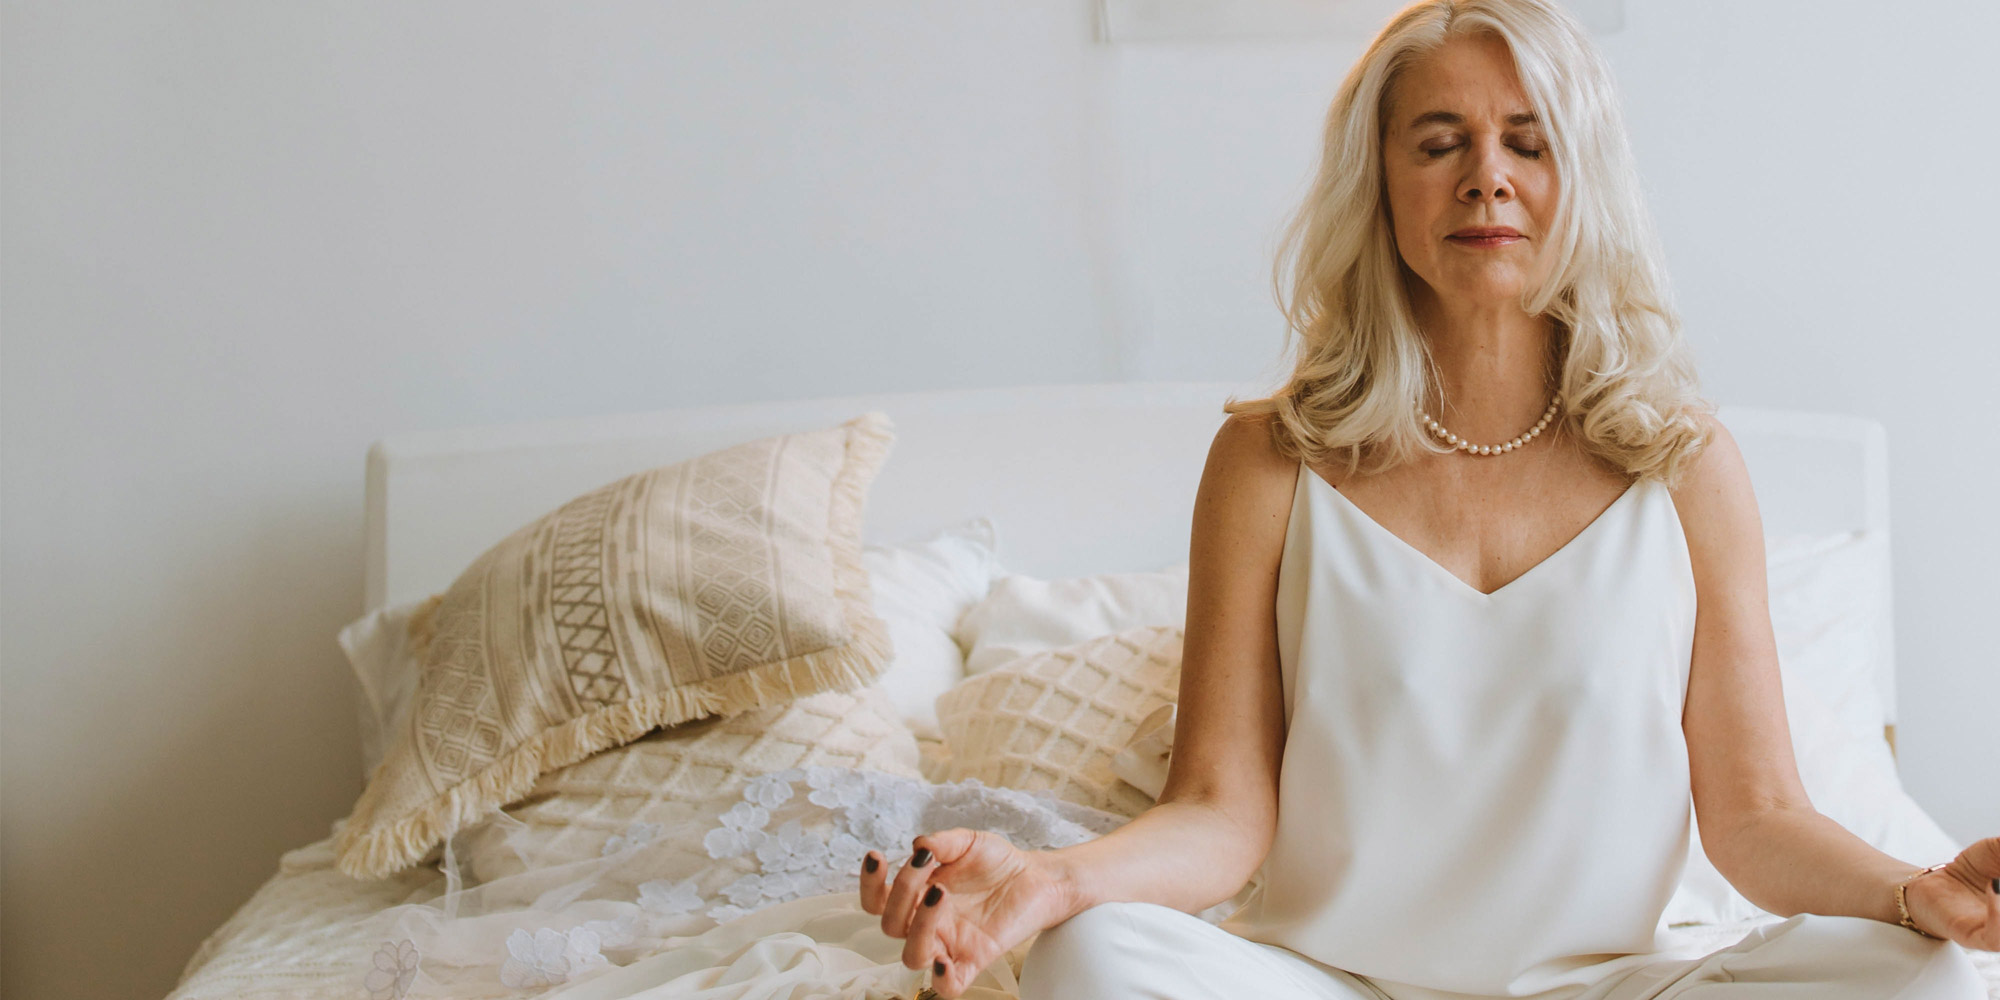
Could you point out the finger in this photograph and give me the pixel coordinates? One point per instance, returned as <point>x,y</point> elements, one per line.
<point>1983,860</point>
<point>972,957</point>
<point>944,978</point>
<point>952,974</point>
<point>920,942</point>
<point>903,891</point>
<point>950,845</point>
<point>874,882</point>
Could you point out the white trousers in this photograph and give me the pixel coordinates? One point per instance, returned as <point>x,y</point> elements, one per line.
<point>1145,951</point>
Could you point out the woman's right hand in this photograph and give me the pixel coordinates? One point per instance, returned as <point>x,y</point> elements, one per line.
<point>973,898</point>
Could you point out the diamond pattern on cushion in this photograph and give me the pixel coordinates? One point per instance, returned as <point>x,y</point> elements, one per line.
<point>1052,721</point>
<point>573,811</point>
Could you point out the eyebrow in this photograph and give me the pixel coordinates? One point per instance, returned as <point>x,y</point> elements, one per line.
<point>1454,118</point>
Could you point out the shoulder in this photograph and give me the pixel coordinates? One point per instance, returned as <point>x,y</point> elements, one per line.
<point>1718,508</point>
<point>1248,474</point>
<point>1246,450</point>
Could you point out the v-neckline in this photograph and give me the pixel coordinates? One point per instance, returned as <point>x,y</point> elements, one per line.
<point>1438,567</point>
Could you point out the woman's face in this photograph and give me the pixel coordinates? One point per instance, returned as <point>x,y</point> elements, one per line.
<point>1461,153</point>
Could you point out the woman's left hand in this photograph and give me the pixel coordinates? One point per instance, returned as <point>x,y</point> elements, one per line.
<point>1958,902</point>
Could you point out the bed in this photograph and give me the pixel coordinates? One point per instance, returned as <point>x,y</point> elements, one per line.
<point>1057,518</point>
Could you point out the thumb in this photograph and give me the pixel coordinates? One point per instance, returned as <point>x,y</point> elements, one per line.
<point>947,846</point>
<point>1982,861</point>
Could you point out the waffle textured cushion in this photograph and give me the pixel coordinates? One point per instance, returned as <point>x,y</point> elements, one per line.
<point>722,583</point>
<point>1052,721</point>
<point>582,810</point>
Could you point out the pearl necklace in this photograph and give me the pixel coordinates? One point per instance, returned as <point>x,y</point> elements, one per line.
<point>1519,441</point>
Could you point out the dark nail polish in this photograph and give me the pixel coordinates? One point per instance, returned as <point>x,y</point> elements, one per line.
<point>871,863</point>
<point>1996,885</point>
<point>931,897</point>
<point>922,857</point>
<point>937,967</point>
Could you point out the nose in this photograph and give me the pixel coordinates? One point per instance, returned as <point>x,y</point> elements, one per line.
<point>1486,175</point>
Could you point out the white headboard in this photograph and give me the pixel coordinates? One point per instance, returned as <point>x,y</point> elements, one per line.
<point>1078,479</point>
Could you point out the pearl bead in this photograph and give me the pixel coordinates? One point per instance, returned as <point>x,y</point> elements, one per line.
<point>1521,440</point>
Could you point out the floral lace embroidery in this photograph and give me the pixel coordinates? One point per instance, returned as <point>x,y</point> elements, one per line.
<point>778,837</point>
<point>395,969</point>
<point>863,808</point>
<point>667,897</point>
<point>636,835</point>
<point>549,957</point>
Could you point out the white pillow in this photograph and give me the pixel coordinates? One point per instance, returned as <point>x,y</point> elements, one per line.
<point>1024,614</point>
<point>1851,779</point>
<point>920,588</point>
<point>1830,612</point>
<point>376,645</point>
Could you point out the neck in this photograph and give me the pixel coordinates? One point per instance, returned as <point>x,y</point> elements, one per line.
<point>1492,361</point>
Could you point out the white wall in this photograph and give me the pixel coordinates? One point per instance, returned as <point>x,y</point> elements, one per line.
<point>242,240</point>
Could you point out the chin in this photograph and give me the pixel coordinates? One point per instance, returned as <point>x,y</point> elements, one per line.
<point>1484,288</point>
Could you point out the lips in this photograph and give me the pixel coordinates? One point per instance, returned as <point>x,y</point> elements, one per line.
<point>1486,237</point>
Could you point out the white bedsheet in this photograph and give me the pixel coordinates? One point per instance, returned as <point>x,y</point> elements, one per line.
<point>745,925</point>
<point>749,893</point>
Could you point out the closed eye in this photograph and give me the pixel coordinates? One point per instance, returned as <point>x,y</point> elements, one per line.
<point>1436,151</point>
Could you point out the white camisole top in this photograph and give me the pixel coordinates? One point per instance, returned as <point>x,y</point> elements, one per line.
<point>1480,793</point>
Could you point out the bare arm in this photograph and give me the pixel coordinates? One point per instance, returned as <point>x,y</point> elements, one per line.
<point>1757,824</point>
<point>1217,814</point>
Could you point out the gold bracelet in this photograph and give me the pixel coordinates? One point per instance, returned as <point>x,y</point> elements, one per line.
<point>1904,909</point>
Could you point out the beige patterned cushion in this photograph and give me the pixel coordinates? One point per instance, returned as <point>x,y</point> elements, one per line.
<point>1052,721</point>
<point>573,812</point>
<point>719,584</point>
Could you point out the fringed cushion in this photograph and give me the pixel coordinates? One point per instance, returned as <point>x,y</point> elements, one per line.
<point>708,587</point>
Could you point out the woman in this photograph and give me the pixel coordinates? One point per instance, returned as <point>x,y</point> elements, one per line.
<point>1443,677</point>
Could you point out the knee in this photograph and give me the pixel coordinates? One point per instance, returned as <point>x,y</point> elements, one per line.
<point>1890,960</point>
<point>1090,955</point>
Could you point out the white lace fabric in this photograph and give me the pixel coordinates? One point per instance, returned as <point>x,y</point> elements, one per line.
<point>685,870</point>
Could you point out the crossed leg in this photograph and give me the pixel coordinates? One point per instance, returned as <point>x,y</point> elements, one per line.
<point>1145,951</point>
<point>1812,955</point>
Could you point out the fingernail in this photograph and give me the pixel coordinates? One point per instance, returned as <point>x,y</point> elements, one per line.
<point>936,893</point>
<point>937,967</point>
<point>871,863</point>
<point>1996,885</point>
<point>922,857</point>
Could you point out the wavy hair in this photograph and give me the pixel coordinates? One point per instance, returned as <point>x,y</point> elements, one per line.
<point>1360,364</point>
